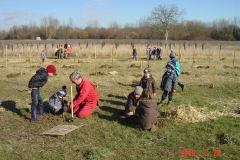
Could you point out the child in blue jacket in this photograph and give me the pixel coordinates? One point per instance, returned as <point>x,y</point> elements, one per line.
<point>168,84</point>
<point>56,102</point>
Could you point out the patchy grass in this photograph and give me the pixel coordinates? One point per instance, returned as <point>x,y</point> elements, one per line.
<point>111,136</point>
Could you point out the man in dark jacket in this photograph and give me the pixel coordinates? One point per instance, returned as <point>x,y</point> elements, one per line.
<point>37,81</point>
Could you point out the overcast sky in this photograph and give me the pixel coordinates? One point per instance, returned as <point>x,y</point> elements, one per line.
<point>22,12</point>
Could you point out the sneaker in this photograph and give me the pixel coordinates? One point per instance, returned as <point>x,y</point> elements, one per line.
<point>169,103</point>
<point>160,103</point>
<point>35,120</point>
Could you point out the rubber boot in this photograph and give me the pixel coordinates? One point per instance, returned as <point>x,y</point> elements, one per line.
<point>181,85</point>
<point>34,116</point>
<point>41,110</point>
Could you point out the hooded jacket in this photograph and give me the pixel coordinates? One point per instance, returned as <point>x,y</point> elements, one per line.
<point>39,79</point>
<point>176,63</point>
<point>169,81</point>
<point>131,101</point>
<point>55,101</point>
<point>147,113</point>
<point>148,83</point>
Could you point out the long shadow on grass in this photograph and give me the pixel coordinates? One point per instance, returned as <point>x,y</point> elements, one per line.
<point>113,102</point>
<point>126,121</point>
<point>22,112</point>
<point>118,97</point>
<point>11,106</point>
<point>131,85</point>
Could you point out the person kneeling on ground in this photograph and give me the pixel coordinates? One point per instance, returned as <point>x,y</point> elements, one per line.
<point>132,100</point>
<point>86,100</point>
<point>147,111</point>
<point>56,102</point>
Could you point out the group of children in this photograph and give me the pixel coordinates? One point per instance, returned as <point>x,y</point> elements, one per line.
<point>155,52</point>
<point>140,102</point>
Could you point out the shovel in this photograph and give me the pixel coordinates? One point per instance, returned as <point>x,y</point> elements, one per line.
<point>71,119</point>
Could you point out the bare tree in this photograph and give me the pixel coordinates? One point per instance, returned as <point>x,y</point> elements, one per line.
<point>143,28</point>
<point>114,27</point>
<point>44,25</point>
<point>163,18</point>
<point>50,25</point>
<point>93,25</point>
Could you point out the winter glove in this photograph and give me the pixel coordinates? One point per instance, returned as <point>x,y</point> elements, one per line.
<point>173,90</point>
<point>132,109</point>
<point>161,88</point>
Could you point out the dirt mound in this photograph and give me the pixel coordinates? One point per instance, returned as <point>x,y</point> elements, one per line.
<point>68,66</point>
<point>134,66</point>
<point>33,66</point>
<point>13,75</point>
<point>187,73</point>
<point>97,74</point>
<point>50,118</point>
<point>106,66</point>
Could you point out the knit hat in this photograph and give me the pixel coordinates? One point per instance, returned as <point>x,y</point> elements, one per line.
<point>138,90</point>
<point>170,66</point>
<point>61,93</point>
<point>172,54</point>
<point>147,70</point>
<point>51,69</point>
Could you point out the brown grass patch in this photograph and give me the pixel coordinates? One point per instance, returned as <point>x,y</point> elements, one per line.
<point>187,113</point>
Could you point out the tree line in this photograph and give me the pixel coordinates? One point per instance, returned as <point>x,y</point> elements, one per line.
<point>164,22</point>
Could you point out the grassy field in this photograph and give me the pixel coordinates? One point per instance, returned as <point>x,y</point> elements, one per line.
<point>206,126</point>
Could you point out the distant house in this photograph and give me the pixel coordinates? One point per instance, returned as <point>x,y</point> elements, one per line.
<point>38,38</point>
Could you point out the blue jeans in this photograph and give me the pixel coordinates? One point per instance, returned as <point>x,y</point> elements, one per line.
<point>134,57</point>
<point>36,99</point>
<point>164,95</point>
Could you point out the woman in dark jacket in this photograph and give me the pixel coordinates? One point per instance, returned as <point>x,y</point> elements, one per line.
<point>147,111</point>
